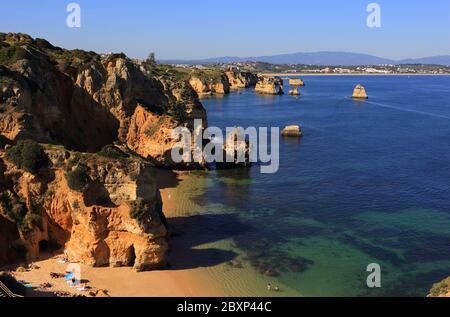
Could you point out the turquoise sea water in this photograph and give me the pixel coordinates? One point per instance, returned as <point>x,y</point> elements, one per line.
<point>368,183</point>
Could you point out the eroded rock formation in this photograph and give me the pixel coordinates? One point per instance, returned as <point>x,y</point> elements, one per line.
<point>85,101</point>
<point>296,82</point>
<point>294,92</point>
<point>102,211</point>
<point>360,92</point>
<point>292,131</point>
<point>101,205</point>
<point>210,86</point>
<point>10,249</point>
<point>236,151</point>
<point>239,80</point>
<point>441,289</point>
<point>269,86</point>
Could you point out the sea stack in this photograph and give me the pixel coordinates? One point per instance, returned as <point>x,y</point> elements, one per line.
<point>236,151</point>
<point>294,92</point>
<point>292,131</point>
<point>296,82</point>
<point>360,92</point>
<point>269,86</point>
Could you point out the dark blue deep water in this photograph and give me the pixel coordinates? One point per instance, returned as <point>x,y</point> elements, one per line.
<point>368,183</point>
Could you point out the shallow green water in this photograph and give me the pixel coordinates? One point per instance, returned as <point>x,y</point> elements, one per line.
<point>368,183</point>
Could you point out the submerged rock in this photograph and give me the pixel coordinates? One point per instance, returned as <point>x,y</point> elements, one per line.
<point>294,92</point>
<point>292,131</point>
<point>271,273</point>
<point>360,92</point>
<point>235,264</point>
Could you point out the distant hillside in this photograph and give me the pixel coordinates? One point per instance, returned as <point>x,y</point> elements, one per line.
<point>318,58</point>
<point>435,60</point>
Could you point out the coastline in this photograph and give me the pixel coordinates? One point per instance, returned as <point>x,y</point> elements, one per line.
<point>124,281</point>
<point>191,273</point>
<point>333,74</point>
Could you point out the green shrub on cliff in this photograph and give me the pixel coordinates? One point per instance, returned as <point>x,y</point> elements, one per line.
<point>111,151</point>
<point>76,58</point>
<point>208,75</point>
<point>139,209</point>
<point>17,212</point>
<point>14,207</point>
<point>154,127</point>
<point>27,155</point>
<point>178,112</point>
<point>78,179</point>
<point>142,210</point>
<point>43,44</point>
<point>11,54</point>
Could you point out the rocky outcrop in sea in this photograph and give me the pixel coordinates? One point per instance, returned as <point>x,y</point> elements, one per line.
<point>360,92</point>
<point>269,86</point>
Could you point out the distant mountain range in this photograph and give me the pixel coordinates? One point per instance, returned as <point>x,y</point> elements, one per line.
<point>318,58</point>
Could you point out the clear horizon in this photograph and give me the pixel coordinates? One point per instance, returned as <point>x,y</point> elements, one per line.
<point>179,29</point>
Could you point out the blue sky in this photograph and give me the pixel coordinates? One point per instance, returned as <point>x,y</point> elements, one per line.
<point>207,28</point>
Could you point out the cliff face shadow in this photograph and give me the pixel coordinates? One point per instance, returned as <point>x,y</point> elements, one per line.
<point>186,251</point>
<point>166,178</point>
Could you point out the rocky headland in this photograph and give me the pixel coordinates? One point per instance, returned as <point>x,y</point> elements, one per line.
<point>81,134</point>
<point>216,84</point>
<point>239,80</point>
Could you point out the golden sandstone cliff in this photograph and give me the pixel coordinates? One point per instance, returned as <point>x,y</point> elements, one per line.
<point>269,86</point>
<point>217,82</point>
<point>81,193</point>
<point>210,86</point>
<point>104,211</point>
<point>239,79</point>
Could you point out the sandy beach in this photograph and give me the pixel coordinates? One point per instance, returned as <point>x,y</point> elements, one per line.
<point>121,282</point>
<point>124,281</point>
<point>193,271</point>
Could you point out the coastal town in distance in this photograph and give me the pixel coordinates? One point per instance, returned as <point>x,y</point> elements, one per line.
<point>299,69</point>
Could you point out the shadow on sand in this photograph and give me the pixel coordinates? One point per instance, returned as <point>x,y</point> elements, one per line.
<point>186,251</point>
<point>166,178</point>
